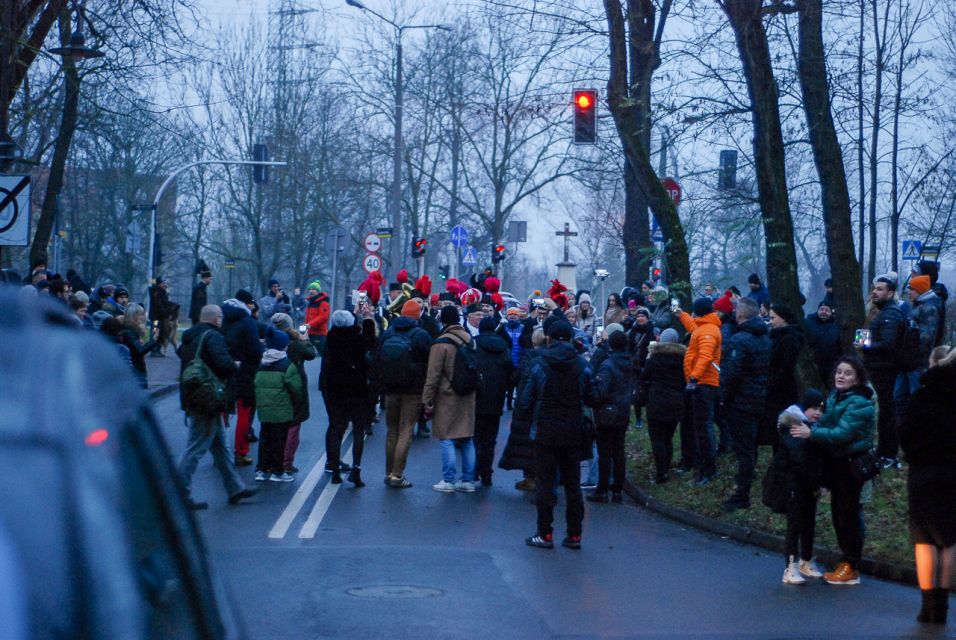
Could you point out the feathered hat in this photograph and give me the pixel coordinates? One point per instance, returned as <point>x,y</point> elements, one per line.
<point>492,284</point>
<point>424,284</point>
<point>456,286</point>
<point>372,285</point>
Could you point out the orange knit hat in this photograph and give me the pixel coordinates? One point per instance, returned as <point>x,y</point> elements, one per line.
<point>411,309</point>
<point>920,284</point>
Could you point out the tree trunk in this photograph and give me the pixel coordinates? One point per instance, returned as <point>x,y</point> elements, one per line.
<point>71,98</point>
<point>828,158</point>
<point>860,140</point>
<point>769,156</point>
<point>637,256</point>
<point>638,42</point>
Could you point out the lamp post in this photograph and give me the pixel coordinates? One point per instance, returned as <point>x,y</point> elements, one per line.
<point>395,246</point>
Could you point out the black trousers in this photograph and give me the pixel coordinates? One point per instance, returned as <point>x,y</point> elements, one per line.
<point>888,444</point>
<point>486,435</point>
<point>846,510</point>
<point>689,458</point>
<point>272,447</point>
<point>343,410</point>
<point>548,462</point>
<point>662,444</point>
<point>702,403</point>
<point>744,427</point>
<point>801,524</point>
<point>610,446</point>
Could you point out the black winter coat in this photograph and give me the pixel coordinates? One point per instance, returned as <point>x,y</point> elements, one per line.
<point>823,338</point>
<point>197,301</point>
<point>612,391</point>
<point>417,359</point>
<point>346,364</point>
<point>783,388</point>
<point>886,334</point>
<point>215,353</point>
<point>803,462</point>
<point>519,451</point>
<point>639,338</point>
<point>558,387</point>
<point>927,432</point>
<point>137,352</point>
<point>430,324</point>
<point>242,337</point>
<point>662,382</point>
<point>745,371</point>
<point>493,356</point>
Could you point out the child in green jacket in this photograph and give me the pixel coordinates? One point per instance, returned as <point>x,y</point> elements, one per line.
<point>278,392</point>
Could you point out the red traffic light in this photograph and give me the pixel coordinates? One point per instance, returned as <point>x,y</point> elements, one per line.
<point>585,115</point>
<point>421,242</point>
<point>583,101</point>
<point>500,248</point>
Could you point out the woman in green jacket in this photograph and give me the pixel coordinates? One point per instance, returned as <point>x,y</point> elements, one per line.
<point>278,392</point>
<point>845,432</point>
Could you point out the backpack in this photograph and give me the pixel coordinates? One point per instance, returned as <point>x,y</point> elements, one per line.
<point>202,390</point>
<point>908,356</point>
<point>774,493</point>
<point>396,369</point>
<point>465,376</point>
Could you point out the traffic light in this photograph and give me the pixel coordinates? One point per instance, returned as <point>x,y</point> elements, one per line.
<point>260,172</point>
<point>585,116</point>
<point>418,250</point>
<point>657,274</point>
<point>498,253</point>
<point>443,271</point>
<point>727,175</point>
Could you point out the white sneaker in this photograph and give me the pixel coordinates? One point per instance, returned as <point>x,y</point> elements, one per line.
<point>445,487</point>
<point>467,487</point>
<point>285,477</point>
<point>261,476</point>
<point>792,574</point>
<point>810,569</point>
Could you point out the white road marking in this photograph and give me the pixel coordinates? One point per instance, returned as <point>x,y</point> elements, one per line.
<point>322,504</point>
<point>295,505</point>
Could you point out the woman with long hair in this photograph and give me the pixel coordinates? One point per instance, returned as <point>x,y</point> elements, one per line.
<point>928,439</point>
<point>133,334</point>
<point>614,310</point>
<point>845,433</point>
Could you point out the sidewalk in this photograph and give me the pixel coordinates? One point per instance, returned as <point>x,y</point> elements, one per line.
<point>162,374</point>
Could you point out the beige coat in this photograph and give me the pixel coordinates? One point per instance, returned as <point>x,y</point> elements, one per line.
<point>454,415</point>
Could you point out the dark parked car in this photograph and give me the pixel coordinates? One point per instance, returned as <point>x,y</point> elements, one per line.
<point>95,537</point>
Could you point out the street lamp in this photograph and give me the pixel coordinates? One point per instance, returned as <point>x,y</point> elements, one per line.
<point>395,248</point>
<point>77,46</point>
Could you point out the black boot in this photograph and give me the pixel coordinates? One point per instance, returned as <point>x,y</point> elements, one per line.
<point>940,606</point>
<point>929,604</point>
<point>336,477</point>
<point>355,477</point>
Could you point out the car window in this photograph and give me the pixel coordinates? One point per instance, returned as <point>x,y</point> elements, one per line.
<point>166,587</point>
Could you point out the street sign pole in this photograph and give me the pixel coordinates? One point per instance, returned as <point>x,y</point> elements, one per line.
<point>335,264</point>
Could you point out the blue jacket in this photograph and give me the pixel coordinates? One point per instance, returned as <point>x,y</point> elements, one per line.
<point>745,373</point>
<point>823,338</point>
<point>512,335</point>
<point>761,296</point>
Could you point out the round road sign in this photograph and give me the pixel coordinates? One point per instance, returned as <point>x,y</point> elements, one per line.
<point>673,189</point>
<point>372,263</point>
<point>373,243</point>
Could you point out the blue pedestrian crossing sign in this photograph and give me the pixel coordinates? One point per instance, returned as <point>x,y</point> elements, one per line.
<point>912,249</point>
<point>471,257</point>
<point>458,236</point>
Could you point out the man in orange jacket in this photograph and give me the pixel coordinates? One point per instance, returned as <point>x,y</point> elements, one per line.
<point>317,313</point>
<point>702,374</point>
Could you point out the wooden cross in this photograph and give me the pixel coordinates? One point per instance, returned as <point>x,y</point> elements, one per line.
<point>568,234</point>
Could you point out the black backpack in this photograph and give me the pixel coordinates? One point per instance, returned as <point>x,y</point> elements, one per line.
<point>774,492</point>
<point>908,356</point>
<point>465,376</point>
<point>396,368</point>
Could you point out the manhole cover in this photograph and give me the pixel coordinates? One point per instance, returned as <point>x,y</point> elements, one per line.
<point>394,591</point>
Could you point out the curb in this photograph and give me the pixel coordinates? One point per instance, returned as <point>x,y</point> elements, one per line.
<point>162,392</point>
<point>905,574</point>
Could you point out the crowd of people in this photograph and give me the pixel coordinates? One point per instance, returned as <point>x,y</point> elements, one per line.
<point>722,379</point>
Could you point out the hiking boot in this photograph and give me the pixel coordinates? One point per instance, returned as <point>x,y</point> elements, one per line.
<point>541,541</point>
<point>842,574</point>
<point>598,497</point>
<point>355,477</point>
<point>792,574</point>
<point>525,484</point>
<point>444,487</point>
<point>243,461</point>
<point>810,569</point>
<point>572,542</point>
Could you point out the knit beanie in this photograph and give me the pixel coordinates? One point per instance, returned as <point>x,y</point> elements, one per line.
<point>613,328</point>
<point>277,340</point>
<point>703,306</point>
<point>244,296</point>
<point>282,321</point>
<point>315,284</point>
<point>560,330</point>
<point>812,398</point>
<point>669,336</point>
<point>724,304</point>
<point>411,309</point>
<point>583,297</point>
<point>920,284</point>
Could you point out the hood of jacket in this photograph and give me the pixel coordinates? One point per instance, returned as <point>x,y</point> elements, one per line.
<point>710,318</point>
<point>926,297</point>
<point>560,356</point>
<point>403,324</point>
<point>338,336</point>
<point>458,332</point>
<point>319,299</point>
<point>232,313</point>
<point>754,326</point>
<point>491,342</point>
<point>790,330</point>
<point>668,348</point>
<point>271,356</point>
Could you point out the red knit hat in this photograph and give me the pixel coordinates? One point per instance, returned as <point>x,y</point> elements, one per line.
<point>724,304</point>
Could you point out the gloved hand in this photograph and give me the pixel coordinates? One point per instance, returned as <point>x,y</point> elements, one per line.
<point>691,386</point>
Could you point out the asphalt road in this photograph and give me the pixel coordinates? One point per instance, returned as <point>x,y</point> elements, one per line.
<point>313,560</point>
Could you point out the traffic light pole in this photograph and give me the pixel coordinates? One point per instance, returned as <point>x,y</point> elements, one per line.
<point>395,249</point>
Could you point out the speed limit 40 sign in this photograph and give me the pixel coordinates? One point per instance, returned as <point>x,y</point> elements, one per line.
<point>372,263</point>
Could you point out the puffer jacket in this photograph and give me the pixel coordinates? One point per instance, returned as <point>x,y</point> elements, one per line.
<point>317,315</point>
<point>613,391</point>
<point>278,388</point>
<point>703,352</point>
<point>242,337</point>
<point>662,382</point>
<point>512,335</point>
<point>927,313</point>
<point>743,376</point>
<point>886,338</point>
<point>801,457</point>
<point>345,367</point>
<point>849,423</point>
<point>493,358</point>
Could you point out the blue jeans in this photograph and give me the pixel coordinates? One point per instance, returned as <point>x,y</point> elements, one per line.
<point>593,466</point>
<point>906,385</point>
<point>207,434</point>
<point>448,470</point>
